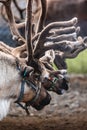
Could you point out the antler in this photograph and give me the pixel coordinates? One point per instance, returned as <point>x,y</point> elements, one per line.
<point>44,36</point>
<point>60,57</point>
<point>43,15</point>
<point>28,31</point>
<point>15,33</point>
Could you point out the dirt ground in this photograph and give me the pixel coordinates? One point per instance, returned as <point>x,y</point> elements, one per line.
<point>66,112</point>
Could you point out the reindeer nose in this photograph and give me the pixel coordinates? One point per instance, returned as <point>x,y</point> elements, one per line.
<point>46,100</point>
<point>65,84</point>
<point>60,91</point>
<point>43,103</point>
<point>64,87</point>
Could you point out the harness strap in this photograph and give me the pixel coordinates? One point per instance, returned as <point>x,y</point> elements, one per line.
<point>53,81</point>
<point>21,97</point>
<point>21,92</point>
<point>37,89</point>
<point>23,107</point>
<point>30,84</point>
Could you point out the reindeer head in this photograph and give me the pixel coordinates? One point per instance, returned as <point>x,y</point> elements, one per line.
<point>57,82</point>
<point>36,96</point>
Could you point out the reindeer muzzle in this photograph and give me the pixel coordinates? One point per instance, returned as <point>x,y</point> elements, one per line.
<point>64,87</point>
<point>45,101</point>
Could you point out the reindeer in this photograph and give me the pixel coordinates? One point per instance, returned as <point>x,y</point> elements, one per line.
<point>17,84</point>
<point>31,62</point>
<point>63,35</point>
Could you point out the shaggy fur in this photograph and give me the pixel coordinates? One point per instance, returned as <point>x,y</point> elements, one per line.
<point>9,82</point>
<point>4,107</point>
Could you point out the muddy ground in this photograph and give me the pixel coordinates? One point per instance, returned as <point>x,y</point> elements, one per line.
<point>66,112</point>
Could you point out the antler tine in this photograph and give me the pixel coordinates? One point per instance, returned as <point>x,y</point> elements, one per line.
<point>70,37</point>
<point>2,12</point>
<point>60,57</point>
<point>18,52</point>
<point>43,15</point>
<point>78,49</point>
<point>15,33</point>
<point>65,46</point>
<point>5,48</point>
<point>28,30</point>
<point>75,53</point>
<point>66,30</point>
<point>40,24</point>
